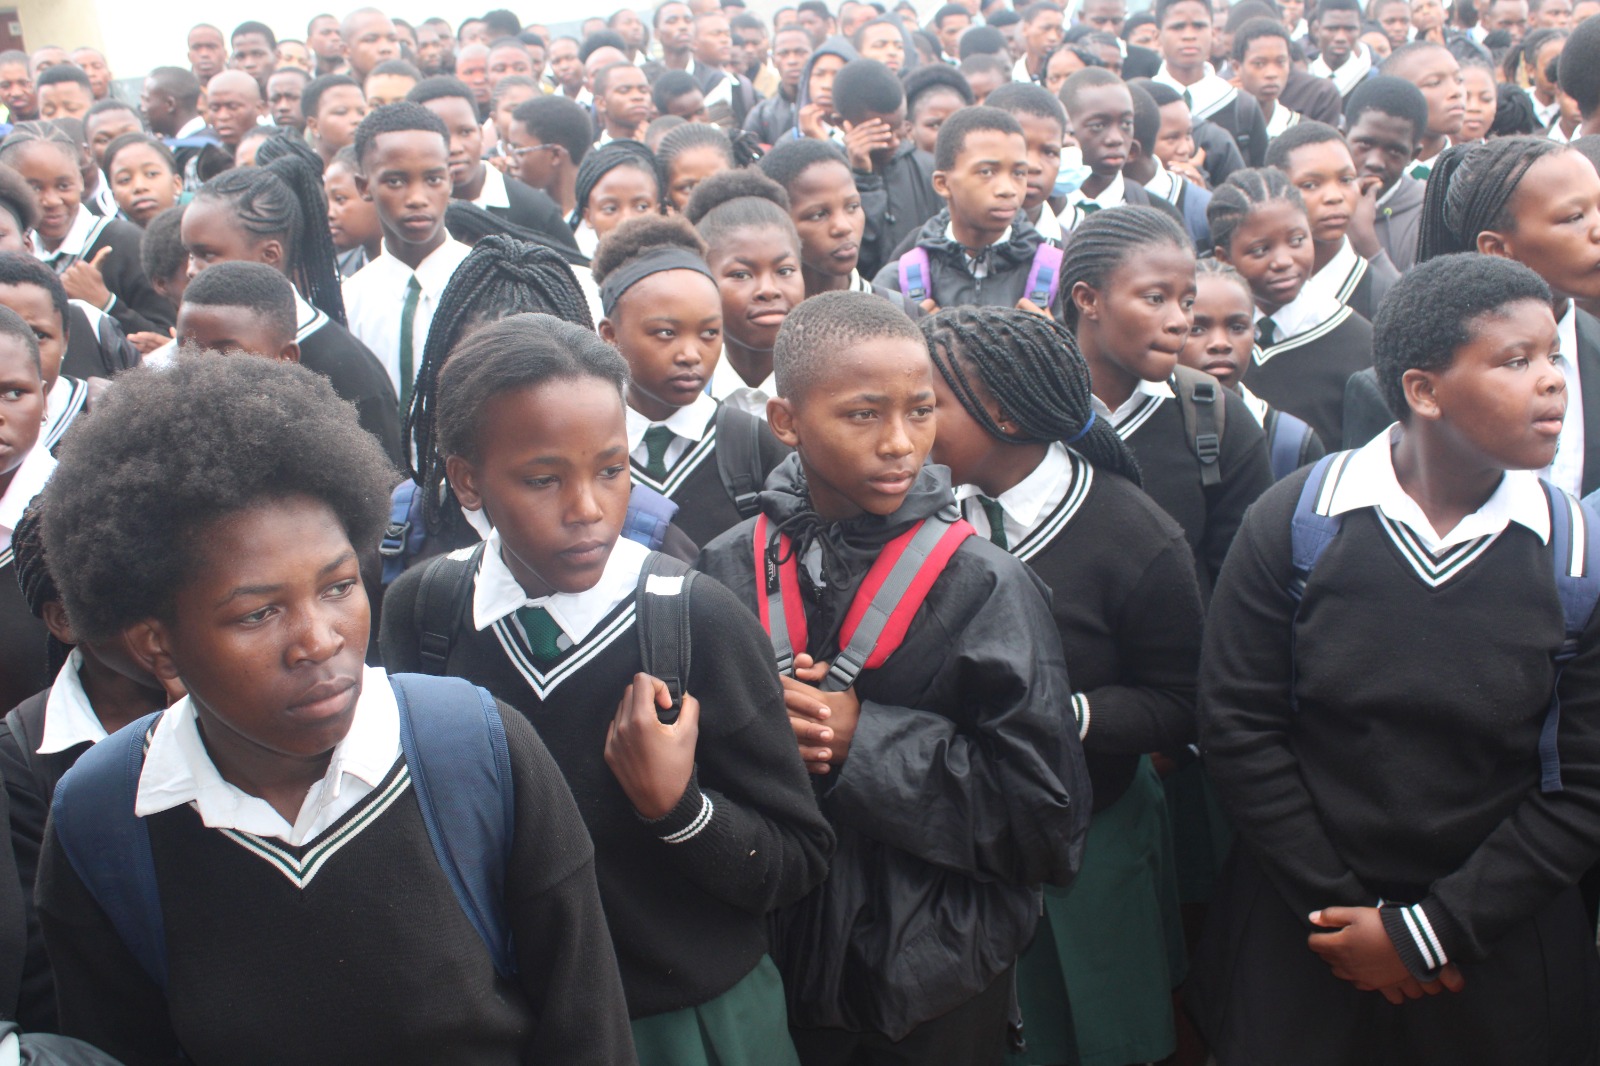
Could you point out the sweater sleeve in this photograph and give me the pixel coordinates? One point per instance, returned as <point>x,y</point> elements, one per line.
<point>747,829</point>
<point>877,241</point>
<point>1245,715</point>
<point>137,307</point>
<point>1246,474</point>
<point>28,810</point>
<point>565,961</point>
<point>1005,798</point>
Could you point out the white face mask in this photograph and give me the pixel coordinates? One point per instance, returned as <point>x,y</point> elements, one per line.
<point>1071,173</point>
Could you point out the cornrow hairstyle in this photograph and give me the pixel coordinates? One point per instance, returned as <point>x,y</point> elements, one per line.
<point>1212,267</point>
<point>737,200</point>
<point>161,252</point>
<point>930,76</point>
<point>1581,78</point>
<point>791,158</point>
<point>283,199</point>
<point>19,268</point>
<point>37,132</point>
<point>1513,114</point>
<point>640,235</point>
<point>311,96</point>
<point>600,162</point>
<point>1470,190</point>
<point>155,144</point>
<point>1107,239</point>
<point>403,116</point>
<point>1243,192</point>
<point>1432,311</point>
<point>685,138</point>
<point>1028,98</point>
<point>1254,30</point>
<point>500,277</point>
<point>33,575</point>
<point>1388,95</point>
<point>1031,365</point>
<point>521,352</point>
<point>1521,60</point>
<point>287,141</point>
<point>1298,136</point>
<point>952,139</point>
<point>255,287</point>
<point>17,198</point>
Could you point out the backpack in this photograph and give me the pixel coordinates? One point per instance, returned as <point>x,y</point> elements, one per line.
<point>460,770</point>
<point>739,463</point>
<point>1044,276</point>
<point>1574,546</point>
<point>1288,443</point>
<point>662,605</point>
<point>880,614</point>
<point>1205,416</point>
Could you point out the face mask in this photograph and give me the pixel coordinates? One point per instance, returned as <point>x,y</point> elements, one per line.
<point>1072,173</point>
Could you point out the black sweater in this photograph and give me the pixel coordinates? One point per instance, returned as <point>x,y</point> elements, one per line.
<point>138,308</point>
<point>1410,768</point>
<point>96,345</point>
<point>24,641</point>
<point>688,919</point>
<point>356,375</point>
<point>964,788</point>
<point>1306,374</point>
<point>372,961</point>
<point>694,482</point>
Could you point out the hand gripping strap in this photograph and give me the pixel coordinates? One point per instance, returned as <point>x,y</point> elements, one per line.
<point>916,279</point>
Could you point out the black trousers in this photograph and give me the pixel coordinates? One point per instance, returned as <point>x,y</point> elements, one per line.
<point>973,1034</point>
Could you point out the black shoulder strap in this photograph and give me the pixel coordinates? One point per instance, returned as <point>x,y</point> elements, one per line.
<point>446,589</point>
<point>28,739</point>
<point>1205,417</point>
<point>739,458</point>
<point>662,606</point>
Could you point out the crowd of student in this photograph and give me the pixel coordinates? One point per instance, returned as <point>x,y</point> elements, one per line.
<point>821,542</point>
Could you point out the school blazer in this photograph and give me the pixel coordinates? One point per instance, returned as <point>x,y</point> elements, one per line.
<point>1366,415</point>
<point>534,209</point>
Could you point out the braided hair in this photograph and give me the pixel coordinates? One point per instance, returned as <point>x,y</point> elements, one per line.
<point>1470,190</point>
<point>1107,239</point>
<point>1031,365</point>
<point>499,278</point>
<point>283,200</point>
<point>33,575</point>
<point>284,142</point>
<point>1234,200</point>
<point>600,162</point>
<point>1211,267</point>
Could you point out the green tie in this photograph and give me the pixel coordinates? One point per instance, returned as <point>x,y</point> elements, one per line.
<point>1188,100</point>
<point>1266,332</point>
<point>656,439</point>
<point>1088,207</point>
<point>542,632</point>
<point>1421,172</point>
<point>997,522</point>
<point>408,312</point>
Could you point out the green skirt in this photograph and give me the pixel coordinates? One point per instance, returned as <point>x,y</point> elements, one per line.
<point>748,1025</point>
<point>1104,945</point>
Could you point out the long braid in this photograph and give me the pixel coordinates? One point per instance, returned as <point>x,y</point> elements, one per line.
<point>499,278</point>
<point>1104,240</point>
<point>1031,365</point>
<point>33,575</point>
<point>1245,190</point>
<point>1469,190</point>
<point>469,224</point>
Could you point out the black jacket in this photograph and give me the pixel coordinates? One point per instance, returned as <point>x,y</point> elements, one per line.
<point>136,306</point>
<point>533,209</point>
<point>1139,62</point>
<point>897,202</point>
<point>96,345</point>
<point>953,284</point>
<point>772,119</point>
<point>1313,98</point>
<point>964,788</point>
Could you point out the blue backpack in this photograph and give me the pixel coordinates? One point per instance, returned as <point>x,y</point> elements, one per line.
<point>460,769</point>
<point>1044,276</point>
<point>1574,546</point>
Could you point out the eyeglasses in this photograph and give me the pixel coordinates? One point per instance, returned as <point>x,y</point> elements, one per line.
<point>519,153</point>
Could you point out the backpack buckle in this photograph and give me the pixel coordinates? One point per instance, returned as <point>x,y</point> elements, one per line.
<point>394,538</point>
<point>1208,447</point>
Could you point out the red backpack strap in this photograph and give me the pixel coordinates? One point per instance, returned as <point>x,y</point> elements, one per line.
<point>890,595</point>
<point>778,601</point>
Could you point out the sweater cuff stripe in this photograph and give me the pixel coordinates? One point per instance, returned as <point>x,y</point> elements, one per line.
<point>1421,916</point>
<point>1080,710</point>
<point>701,820</point>
<point>1416,936</point>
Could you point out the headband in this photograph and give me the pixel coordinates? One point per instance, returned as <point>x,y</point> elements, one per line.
<point>642,266</point>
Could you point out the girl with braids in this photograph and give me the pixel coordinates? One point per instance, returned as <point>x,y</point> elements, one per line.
<point>688,155</point>
<point>275,214</point>
<point>143,175</point>
<point>754,255</point>
<point>99,687</point>
<point>1047,479</point>
<point>1307,342</point>
<point>97,258</point>
<point>617,181</point>
<point>664,313</point>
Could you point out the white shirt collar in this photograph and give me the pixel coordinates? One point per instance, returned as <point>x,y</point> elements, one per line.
<point>728,387</point>
<point>493,193</point>
<point>1255,405</point>
<point>859,283</point>
<point>178,770</point>
<point>1282,118</point>
<point>306,317</point>
<point>1141,392</point>
<point>1428,162</point>
<point>1113,195</point>
<point>496,593</point>
<point>1554,132</point>
<point>1368,480</point>
<point>1545,113</point>
<point>1306,311</point>
<point>28,481</point>
<point>1033,496</point>
<point>1347,77</point>
<point>1325,283</point>
<point>433,273</point>
<point>1566,471</point>
<point>689,422</point>
<point>86,226</point>
<point>1164,184</point>
<point>69,720</point>
<point>1205,96</point>
<point>1049,224</point>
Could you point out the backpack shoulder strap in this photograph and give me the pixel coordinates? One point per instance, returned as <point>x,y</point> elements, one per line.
<point>778,602</point>
<point>662,605</point>
<point>1575,555</point>
<point>109,847</point>
<point>916,277</point>
<point>1287,440</point>
<point>403,536</point>
<point>1044,279</point>
<point>1205,416</point>
<point>739,457</point>
<point>650,514</point>
<point>455,749</point>
<point>26,723</point>
<point>442,598</point>
<point>1310,533</point>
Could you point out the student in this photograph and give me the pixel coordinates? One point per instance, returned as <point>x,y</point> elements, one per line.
<point>689,154</point>
<point>240,307</point>
<point>1580,79</point>
<point>904,953</point>
<point>163,257</point>
<point>546,141</point>
<point>979,249</point>
<point>64,92</point>
<point>1042,476</point>
<point>1434,70</point>
<point>1262,60</point>
<point>774,117</point>
<point>352,218</point>
<point>815,115</point>
<point>753,253</point>
<point>265,215</point>
<point>621,102</point>
<point>107,120</point>
<point>1386,119</point>
<point>1144,166</point>
<point>333,106</point>
<point>1185,44</point>
<point>1341,57</point>
<point>303,748</point>
<point>1308,344</point>
<point>24,469</point>
<point>1481,100</point>
<point>1222,342</point>
<point>933,93</point>
<point>1044,127</point>
<point>1348,262</point>
<point>143,177</point>
<point>33,292</point>
<point>285,88</point>
<point>1099,110</point>
<point>1346,905</point>
<point>390,82</point>
<point>615,182</point>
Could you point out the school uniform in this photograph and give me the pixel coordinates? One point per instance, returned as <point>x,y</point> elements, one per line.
<point>962,793</point>
<point>302,922</point>
<point>376,303</point>
<point>1312,98</point>
<point>24,640</point>
<point>1118,193</point>
<point>1353,280</point>
<point>1414,785</point>
<point>1271,421</point>
<point>1127,608</point>
<point>65,401</point>
<point>1399,220</point>
<point>353,371</point>
<point>1544,114</point>
<point>678,458</point>
<point>1222,153</point>
<point>686,896</point>
<point>352,261</point>
<point>1356,68</point>
<point>1190,199</point>
<point>996,277</point>
<point>1421,168</point>
<point>102,202</point>
<point>1305,352</point>
<point>135,304</point>
<point>96,345</point>
<point>524,206</point>
<point>896,202</point>
<point>1214,100</point>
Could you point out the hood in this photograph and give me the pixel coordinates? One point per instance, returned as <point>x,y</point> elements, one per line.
<point>833,46</point>
<point>1019,248</point>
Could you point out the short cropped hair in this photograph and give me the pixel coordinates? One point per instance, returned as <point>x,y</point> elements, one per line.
<point>311,97</point>
<point>818,331</point>
<point>1298,136</point>
<point>952,139</point>
<point>13,326</point>
<point>1388,95</point>
<point>866,86</point>
<point>555,119</point>
<point>161,251</point>
<point>401,117</point>
<point>254,286</point>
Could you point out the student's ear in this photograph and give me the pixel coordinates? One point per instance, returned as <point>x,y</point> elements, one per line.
<point>1086,300</point>
<point>1491,242</point>
<point>463,479</point>
<point>361,179</point>
<point>940,185</point>
<point>290,353</point>
<point>1420,393</point>
<point>272,253</point>
<point>151,647</point>
<point>1222,256</point>
<point>607,331</point>
<point>780,418</point>
<point>55,620</point>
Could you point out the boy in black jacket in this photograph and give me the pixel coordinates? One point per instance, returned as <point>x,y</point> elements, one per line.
<point>956,746</point>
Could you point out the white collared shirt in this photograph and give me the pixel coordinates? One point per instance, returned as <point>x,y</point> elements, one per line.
<point>26,483</point>
<point>1026,502</point>
<point>978,265</point>
<point>1545,113</point>
<point>586,239</point>
<point>1142,392</point>
<point>1113,195</point>
<point>688,424</point>
<point>86,226</point>
<point>1206,96</point>
<point>1426,163</point>
<point>374,298</point>
<point>1020,71</point>
<point>57,404</point>
<point>1281,119</point>
<point>1164,184</point>
<point>496,592</point>
<point>1566,471</point>
<point>729,388</point>
<point>69,719</point>
<point>1306,311</point>
<point>493,193</point>
<point>1049,225</point>
<point>1356,67</point>
<point>1368,480</point>
<point>178,770</point>
<point>1555,133</point>
<point>192,127</point>
<point>1325,283</point>
<point>1255,405</point>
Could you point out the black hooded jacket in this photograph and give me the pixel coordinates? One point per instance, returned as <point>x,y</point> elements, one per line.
<point>897,201</point>
<point>1009,263</point>
<point>964,788</point>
